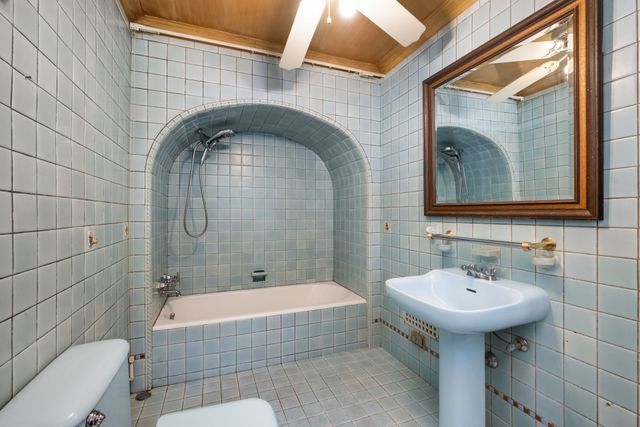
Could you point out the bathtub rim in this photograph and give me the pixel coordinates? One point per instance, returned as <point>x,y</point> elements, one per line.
<point>168,327</point>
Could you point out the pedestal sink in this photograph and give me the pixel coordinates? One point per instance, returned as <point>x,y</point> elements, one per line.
<point>464,308</point>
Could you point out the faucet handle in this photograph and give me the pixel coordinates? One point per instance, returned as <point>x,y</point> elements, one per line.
<point>469,268</point>
<point>490,272</point>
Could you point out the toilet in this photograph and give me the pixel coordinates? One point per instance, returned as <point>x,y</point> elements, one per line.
<point>88,385</point>
<point>241,413</point>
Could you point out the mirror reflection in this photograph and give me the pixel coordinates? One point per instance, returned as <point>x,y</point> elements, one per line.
<point>504,129</point>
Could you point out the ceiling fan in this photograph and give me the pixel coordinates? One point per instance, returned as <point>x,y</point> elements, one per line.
<point>531,50</point>
<point>389,15</point>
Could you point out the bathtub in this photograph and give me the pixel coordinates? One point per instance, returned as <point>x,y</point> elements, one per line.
<point>203,309</point>
<point>224,332</point>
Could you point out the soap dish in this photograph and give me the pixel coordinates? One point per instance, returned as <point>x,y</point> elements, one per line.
<point>544,261</point>
<point>486,251</point>
<point>444,247</point>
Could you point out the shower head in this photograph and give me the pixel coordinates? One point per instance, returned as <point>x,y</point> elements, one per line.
<point>225,133</point>
<point>211,141</point>
<point>450,151</point>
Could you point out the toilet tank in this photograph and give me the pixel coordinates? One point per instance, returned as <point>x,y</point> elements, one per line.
<point>84,378</point>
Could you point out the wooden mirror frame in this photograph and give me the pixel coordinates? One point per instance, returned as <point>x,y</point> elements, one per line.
<point>587,202</point>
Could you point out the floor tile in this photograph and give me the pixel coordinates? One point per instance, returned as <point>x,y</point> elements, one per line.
<point>366,387</point>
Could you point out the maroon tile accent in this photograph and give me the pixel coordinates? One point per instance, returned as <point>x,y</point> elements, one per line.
<point>528,411</point>
<point>404,335</point>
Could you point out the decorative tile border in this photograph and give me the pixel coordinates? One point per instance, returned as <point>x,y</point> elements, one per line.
<point>492,389</point>
<point>520,406</point>
<point>405,335</point>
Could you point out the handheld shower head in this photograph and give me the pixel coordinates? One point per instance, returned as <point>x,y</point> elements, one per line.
<point>210,141</point>
<point>450,152</point>
<point>224,133</point>
<point>208,144</point>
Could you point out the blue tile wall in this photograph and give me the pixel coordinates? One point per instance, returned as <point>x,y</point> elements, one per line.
<point>582,366</point>
<point>64,154</point>
<point>196,352</point>
<point>546,123</point>
<point>270,207</point>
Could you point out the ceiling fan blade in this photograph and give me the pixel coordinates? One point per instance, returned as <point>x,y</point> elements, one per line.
<point>394,19</point>
<point>531,51</point>
<point>302,30</point>
<point>524,81</point>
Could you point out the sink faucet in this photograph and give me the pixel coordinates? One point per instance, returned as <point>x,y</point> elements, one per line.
<point>474,270</point>
<point>167,285</point>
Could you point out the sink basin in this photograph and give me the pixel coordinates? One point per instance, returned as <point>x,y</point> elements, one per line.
<point>465,308</point>
<point>463,304</point>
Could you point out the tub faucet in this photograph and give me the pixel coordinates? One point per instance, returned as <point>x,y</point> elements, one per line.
<point>167,285</point>
<point>172,293</point>
<point>474,270</point>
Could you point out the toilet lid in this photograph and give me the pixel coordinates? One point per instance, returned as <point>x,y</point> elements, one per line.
<point>241,413</point>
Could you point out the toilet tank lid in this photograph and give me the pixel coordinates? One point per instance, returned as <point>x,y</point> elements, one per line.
<point>68,389</point>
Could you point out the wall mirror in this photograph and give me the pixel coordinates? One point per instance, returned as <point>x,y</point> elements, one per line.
<point>514,127</point>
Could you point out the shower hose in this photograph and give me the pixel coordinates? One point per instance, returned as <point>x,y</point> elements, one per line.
<point>186,202</point>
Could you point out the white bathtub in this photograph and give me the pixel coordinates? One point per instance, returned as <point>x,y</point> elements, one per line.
<point>204,309</point>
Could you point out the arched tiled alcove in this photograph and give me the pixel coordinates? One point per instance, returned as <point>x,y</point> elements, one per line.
<point>336,146</point>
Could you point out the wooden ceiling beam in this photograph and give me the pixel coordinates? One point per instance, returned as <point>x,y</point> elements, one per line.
<point>223,38</point>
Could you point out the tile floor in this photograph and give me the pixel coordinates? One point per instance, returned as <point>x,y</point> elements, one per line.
<point>366,387</point>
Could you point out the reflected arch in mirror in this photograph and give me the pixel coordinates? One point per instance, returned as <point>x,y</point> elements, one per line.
<point>479,168</point>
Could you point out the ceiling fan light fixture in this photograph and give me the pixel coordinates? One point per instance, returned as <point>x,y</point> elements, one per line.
<point>388,15</point>
<point>393,19</point>
<point>347,8</point>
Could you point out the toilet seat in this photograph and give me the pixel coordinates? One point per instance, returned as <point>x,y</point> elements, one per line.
<point>241,413</point>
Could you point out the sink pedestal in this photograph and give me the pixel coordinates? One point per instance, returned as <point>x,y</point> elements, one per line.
<point>461,380</point>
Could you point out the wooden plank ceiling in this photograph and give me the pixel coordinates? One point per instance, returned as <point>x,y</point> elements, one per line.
<point>354,43</point>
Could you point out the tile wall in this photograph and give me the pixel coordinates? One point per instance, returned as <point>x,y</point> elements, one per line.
<point>545,123</point>
<point>582,369</point>
<point>270,207</point>
<point>64,150</point>
<point>196,352</point>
